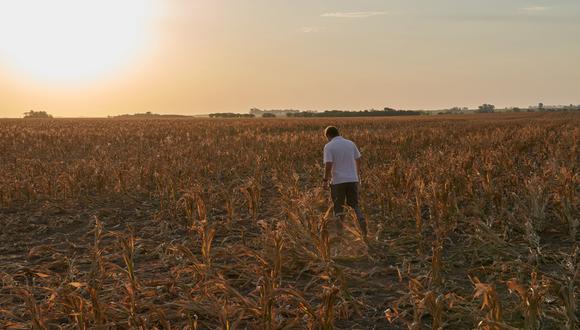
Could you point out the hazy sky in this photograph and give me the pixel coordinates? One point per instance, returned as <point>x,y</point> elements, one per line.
<point>202,56</point>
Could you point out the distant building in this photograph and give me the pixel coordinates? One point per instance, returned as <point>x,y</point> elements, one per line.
<point>277,113</point>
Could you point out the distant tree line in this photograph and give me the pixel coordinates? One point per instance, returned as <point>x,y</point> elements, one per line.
<point>364,113</point>
<point>272,112</point>
<point>148,114</point>
<point>231,115</point>
<point>490,108</point>
<point>552,108</point>
<point>37,115</point>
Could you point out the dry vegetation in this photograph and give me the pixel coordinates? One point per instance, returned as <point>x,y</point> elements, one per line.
<point>204,224</point>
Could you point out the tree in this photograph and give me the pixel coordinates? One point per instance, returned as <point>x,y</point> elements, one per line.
<point>486,108</point>
<point>37,114</point>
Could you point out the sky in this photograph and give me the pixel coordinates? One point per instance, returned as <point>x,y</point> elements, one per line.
<point>98,58</point>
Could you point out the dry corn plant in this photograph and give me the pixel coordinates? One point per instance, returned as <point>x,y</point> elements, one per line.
<point>207,234</point>
<point>434,304</point>
<point>77,309</point>
<point>566,292</point>
<point>38,320</point>
<point>566,196</point>
<point>229,204</point>
<point>531,299</point>
<point>97,275</point>
<point>187,203</point>
<point>352,226</point>
<point>491,303</point>
<point>332,286</point>
<point>417,301</point>
<point>269,282</point>
<point>423,302</point>
<point>194,207</point>
<point>537,201</point>
<point>419,206</point>
<point>306,229</point>
<point>309,233</point>
<point>131,286</point>
<point>437,263</point>
<point>252,191</point>
<point>326,310</point>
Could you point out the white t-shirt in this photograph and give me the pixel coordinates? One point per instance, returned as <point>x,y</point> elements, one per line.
<point>342,153</point>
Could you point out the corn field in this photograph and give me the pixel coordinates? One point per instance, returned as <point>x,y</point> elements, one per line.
<point>473,223</point>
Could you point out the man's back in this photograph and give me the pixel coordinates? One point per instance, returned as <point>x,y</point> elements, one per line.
<point>342,153</point>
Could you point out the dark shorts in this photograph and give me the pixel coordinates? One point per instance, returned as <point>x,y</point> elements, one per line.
<point>344,192</point>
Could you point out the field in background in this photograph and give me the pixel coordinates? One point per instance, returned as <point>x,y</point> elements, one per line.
<point>204,224</point>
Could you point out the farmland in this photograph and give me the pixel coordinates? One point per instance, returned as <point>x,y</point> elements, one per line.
<point>213,223</point>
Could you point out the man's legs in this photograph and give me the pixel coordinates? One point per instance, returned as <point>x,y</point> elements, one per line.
<point>352,201</point>
<point>338,194</point>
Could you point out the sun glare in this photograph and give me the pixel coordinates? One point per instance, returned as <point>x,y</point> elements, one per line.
<point>64,41</point>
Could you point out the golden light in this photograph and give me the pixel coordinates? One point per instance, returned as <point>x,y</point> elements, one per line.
<point>73,41</point>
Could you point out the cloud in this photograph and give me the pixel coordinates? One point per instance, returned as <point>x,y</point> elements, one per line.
<point>354,14</point>
<point>535,9</point>
<point>311,29</point>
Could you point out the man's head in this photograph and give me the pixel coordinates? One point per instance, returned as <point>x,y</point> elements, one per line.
<point>331,132</point>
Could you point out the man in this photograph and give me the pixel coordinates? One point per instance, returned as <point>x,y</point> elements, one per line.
<point>342,163</point>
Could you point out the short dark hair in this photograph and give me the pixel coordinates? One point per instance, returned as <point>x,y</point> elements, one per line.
<point>331,131</point>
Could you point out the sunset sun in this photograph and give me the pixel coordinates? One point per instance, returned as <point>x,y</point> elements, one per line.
<point>71,41</point>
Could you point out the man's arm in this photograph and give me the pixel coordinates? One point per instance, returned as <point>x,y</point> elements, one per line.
<point>328,159</point>
<point>357,157</point>
<point>327,171</point>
